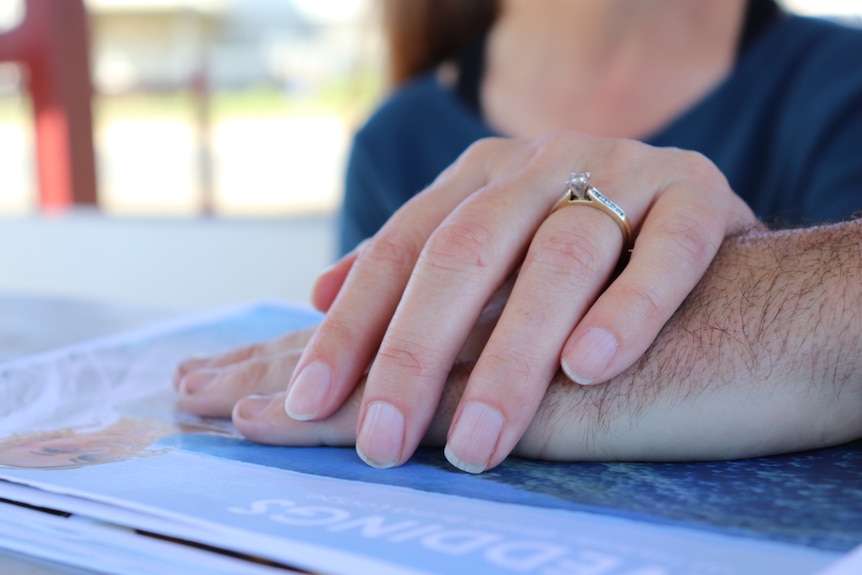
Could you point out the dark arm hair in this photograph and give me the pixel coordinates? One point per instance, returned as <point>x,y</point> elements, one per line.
<point>420,34</point>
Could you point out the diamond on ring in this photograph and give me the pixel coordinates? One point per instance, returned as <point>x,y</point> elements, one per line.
<point>578,184</point>
<point>579,192</point>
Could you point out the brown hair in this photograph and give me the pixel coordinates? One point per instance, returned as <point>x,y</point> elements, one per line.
<point>423,33</point>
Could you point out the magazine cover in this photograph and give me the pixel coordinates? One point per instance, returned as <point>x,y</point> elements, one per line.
<point>95,459</point>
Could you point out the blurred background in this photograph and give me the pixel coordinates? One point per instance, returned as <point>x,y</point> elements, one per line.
<point>220,129</point>
<point>220,132</point>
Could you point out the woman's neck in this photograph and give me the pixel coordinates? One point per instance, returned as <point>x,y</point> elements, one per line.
<point>621,68</point>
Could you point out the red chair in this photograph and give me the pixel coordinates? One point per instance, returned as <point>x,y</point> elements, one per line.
<point>52,43</point>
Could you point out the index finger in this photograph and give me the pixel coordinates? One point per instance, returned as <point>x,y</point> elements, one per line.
<point>341,349</point>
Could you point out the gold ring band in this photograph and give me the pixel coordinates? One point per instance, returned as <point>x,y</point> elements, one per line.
<point>581,193</point>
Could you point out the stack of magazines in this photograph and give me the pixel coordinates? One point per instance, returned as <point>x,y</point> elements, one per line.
<point>98,470</point>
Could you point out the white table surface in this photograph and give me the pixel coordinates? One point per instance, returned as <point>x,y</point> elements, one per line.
<point>30,324</point>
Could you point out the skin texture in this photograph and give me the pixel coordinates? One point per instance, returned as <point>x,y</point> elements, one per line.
<point>581,360</point>
<point>484,218</point>
<point>756,361</point>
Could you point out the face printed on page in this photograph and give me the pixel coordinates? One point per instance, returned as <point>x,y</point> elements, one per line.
<point>68,448</point>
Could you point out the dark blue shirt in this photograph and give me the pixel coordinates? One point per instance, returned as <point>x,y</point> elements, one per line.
<point>785,128</point>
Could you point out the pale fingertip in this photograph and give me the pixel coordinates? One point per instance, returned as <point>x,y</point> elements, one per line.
<point>381,436</point>
<point>461,464</point>
<point>474,438</point>
<point>586,361</point>
<point>307,392</point>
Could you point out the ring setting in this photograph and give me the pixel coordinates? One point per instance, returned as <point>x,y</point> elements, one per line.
<point>579,192</point>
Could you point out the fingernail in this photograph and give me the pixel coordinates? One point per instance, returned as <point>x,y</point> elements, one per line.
<point>590,356</point>
<point>307,392</point>
<point>252,406</point>
<point>381,436</point>
<point>198,381</point>
<point>475,437</point>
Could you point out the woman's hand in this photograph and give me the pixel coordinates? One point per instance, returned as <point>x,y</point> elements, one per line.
<point>210,386</point>
<point>400,308</point>
<point>253,374</point>
<point>755,362</point>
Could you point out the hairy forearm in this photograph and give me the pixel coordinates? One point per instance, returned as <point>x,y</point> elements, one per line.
<point>763,357</point>
<point>783,306</point>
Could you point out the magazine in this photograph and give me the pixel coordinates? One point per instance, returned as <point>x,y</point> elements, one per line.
<point>97,462</point>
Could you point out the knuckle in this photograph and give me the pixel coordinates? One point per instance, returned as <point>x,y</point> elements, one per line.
<point>520,371</point>
<point>561,255</point>
<point>700,166</point>
<point>481,149</point>
<point>704,177</point>
<point>407,356</point>
<point>459,246</point>
<point>643,304</point>
<point>622,153</point>
<point>547,148</point>
<point>518,366</point>
<point>552,141</point>
<point>687,240</point>
<point>563,140</point>
<point>340,331</point>
<point>479,155</point>
<point>391,249</point>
